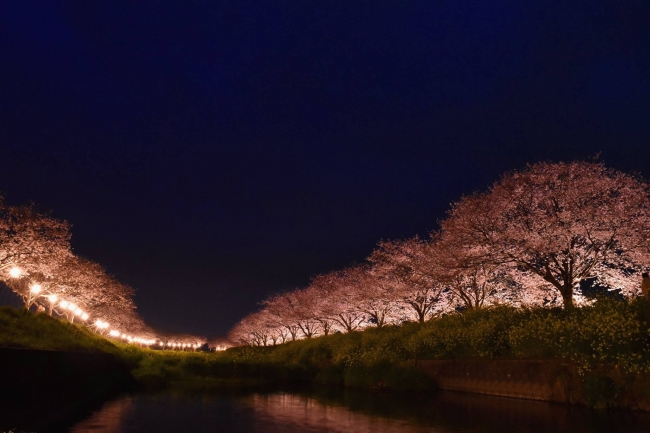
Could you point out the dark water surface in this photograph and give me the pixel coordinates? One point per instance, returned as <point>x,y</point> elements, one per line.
<point>349,411</point>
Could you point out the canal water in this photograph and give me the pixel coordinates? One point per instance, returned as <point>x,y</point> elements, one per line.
<point>349,411</point>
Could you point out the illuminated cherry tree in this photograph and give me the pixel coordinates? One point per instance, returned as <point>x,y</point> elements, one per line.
<point>377,294</point>
<point>417,276</point>
<point>291,311</point>
<point>28,237</point>
<point>338,300</point>
<point>471,281</point>
<point>557,225</point>
<point>31,246</point>
<point>255,329</point>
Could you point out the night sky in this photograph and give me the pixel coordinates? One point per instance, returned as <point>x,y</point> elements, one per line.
<point>210,153</point>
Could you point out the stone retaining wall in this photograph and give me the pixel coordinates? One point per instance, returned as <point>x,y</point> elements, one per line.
<point>546,380</point>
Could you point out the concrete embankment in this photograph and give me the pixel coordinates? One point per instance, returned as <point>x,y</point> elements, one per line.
<point>44,387</point>
<point>545,380</point>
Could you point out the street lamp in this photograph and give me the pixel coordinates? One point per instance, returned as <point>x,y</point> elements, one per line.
<point>15,272</point>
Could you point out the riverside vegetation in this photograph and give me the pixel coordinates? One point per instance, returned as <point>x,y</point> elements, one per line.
<point>614,334</point>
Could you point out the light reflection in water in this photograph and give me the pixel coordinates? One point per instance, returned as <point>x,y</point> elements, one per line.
<point>290,412</point>
<point>110,419</point>
<point>338,411</point>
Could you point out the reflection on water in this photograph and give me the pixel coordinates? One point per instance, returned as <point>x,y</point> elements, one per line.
<point>289,412</point>
<point>111,417</point>
<point>350,411</point>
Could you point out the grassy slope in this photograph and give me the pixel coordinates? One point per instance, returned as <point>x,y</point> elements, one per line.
<point>23,329</point>
<point>610,332</point>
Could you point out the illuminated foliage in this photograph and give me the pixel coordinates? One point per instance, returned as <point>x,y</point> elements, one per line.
<point>36,263</point>
<point>556,225</point>
<point>530,240</point>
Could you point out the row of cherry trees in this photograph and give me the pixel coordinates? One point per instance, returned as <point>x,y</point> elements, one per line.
<point>37,263</point>
<point>529,240</point>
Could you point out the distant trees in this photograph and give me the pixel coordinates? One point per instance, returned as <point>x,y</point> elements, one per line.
<point>529,240</point>
<point>37,264</point>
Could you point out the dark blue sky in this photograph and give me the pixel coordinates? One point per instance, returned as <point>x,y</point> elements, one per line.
<point>212,153</point>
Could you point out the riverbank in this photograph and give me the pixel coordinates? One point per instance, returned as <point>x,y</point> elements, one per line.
<point>606,345</point>
<point>46,387</point>
<point>605,349</point>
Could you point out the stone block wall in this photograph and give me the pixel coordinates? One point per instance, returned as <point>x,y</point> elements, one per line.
<point>545,380</point>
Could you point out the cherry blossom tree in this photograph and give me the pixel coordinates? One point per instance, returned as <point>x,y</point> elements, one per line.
<point>339,300</point>
<point>317,302</point>
<point>557,225</point>
<point>253,330</point>
<point>292,310</point>
<point>36,262</point>
<point>377,294</point>
<point>29,238</point>
<point>305,306</point>
<point>473,282</point>
<point>416,273</point>
<point>31,246</point>
<point>481,286</point>
<point>28,289</point>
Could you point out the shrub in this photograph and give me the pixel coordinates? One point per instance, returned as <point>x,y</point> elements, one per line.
<point>610,332</point>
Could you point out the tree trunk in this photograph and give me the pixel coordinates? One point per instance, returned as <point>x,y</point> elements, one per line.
<point>567,296</point>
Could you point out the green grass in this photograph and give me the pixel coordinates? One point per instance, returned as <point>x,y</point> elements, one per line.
<point>614,333</point>
<point>610,332</point>
<point>23,329</point>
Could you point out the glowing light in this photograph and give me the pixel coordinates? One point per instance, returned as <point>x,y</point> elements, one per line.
<point>101,324</point>
<point>64,304</point>
<point>36,288</point>
<point>52,298</point>
<point>71,306</point>
<point>78,312</point>
<point>84,316</point>
<point>15,272</point>
<point>114,333</point>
